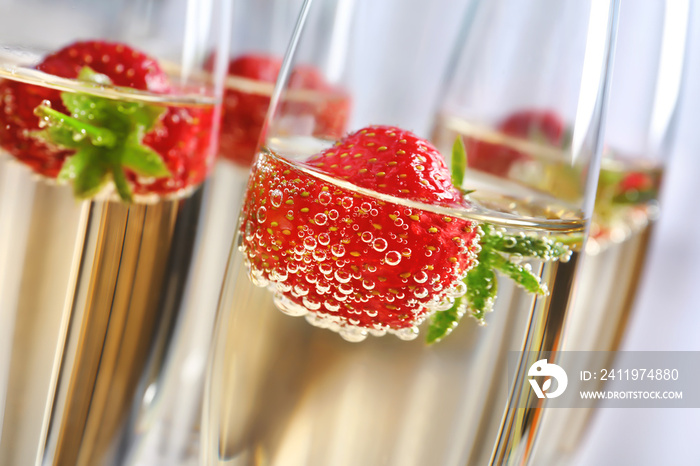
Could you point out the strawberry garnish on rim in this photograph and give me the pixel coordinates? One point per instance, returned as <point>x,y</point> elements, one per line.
<point>91,140</point>
<point>366,264</point>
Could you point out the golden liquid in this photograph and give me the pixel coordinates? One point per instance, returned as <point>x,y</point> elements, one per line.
<point>170,429</point>
<point>610,270</point>
<point>97,300</point>
<point>282,392</point>
<point>91,299</point>
<point>609,280</point>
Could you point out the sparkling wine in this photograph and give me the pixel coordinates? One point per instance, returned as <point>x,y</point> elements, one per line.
<point>91,292</point>
<point>282,391</point>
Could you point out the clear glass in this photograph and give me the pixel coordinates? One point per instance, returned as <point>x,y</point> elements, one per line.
<point>109,123</point>
<point>348,246</point>
<point>647,80</point>
<point>260,32</point>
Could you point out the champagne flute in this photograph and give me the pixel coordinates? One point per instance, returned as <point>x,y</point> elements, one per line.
<point>375,242</point>
<point>260,31</point>
<point>647,81</point>
<point>109,121</point>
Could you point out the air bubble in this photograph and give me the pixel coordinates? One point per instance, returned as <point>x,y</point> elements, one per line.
<point>325,269</point>
<point>353,334</point>
<point>444,304</point>
<point>371,313</point>
<point>457,290</point>
<point>310,243</point>
<point>368,284</point>
<point>346,202</point>
<point>333,214</point>
<point>380,244</point>
<point>324,239</point>
<point>340,297</point>
<point>325,198</point>
<point>276,197</point>
<point>392,258</point>
<point>278,276</point>
<point>249,230</point>
<point>283,287</point>
<point>407,334</point>
<point>345,288</point>
<point>331,306</point>
<point>320,219</point>
<point>257,278</point>
<point>338,250</point>
<point>342,276</point>
<point>319,255</point>
<point>262,214</point>
<point>420,277</point>
<point>366,236</point>
<point>420,293</point>
<point>79,136</point>
<point>366,206</point>
<point>317,321</point>
<point>300,290</point>
<point>311,304</point>
<point>289,307</point>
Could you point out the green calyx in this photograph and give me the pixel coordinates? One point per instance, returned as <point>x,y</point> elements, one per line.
<point>500,252</point>
<point>106,136</point>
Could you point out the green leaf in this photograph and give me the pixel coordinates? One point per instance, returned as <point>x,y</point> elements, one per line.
<point>443,322</point>
<point>144,161</point>
<point>459,161</point>
<point>143,117</point>
<point>92,174</point>
<point>79,130</point>
<point>528,246</point>
<point>121,183</point>
<point>56,136</point>
<point>74,165</point>
<point>107,135</point>
<point>482,286</point>
<point>520,273</point>
<point>87,74</point>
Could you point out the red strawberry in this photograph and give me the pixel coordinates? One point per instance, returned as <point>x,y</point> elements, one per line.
<point>245,106</point>
<point>244,111</point>
<point>349,261</point>
<point>183,140</point>
<point>636,181</point>
<point>330,111</point>
<point>125,67</point>
<point>535,125</point>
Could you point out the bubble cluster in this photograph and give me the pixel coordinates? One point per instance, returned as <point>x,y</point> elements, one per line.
<point>348,262</point>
